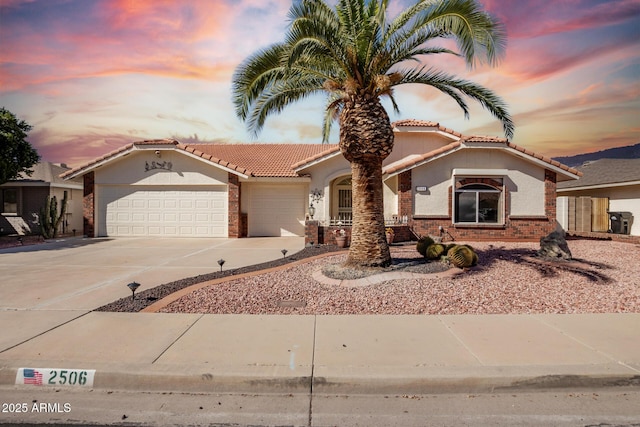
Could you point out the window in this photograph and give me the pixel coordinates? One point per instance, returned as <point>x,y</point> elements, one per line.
<point>10,201</point>
<point>478,204</point>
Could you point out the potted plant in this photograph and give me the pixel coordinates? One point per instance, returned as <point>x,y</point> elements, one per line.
<point>390,233</point>
<point>341,238</point>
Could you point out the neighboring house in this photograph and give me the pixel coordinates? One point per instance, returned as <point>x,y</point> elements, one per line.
<point>608,186</point>
<point>436,181</point>
<point>22,199</point>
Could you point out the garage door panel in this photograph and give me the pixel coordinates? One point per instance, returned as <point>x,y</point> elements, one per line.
<point>136,211</point>
<point>277,211</point>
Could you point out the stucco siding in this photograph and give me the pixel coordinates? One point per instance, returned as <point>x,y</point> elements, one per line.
<point>407,143</point>
<point>390,197</point>
<point>321,177</point>
<point>524,182</point>
<point>621,199</point>
<point>172,168</point>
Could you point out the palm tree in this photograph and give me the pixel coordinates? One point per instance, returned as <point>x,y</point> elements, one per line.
<point>355,55</point>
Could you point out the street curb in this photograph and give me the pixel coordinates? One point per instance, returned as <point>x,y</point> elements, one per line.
<point>208,383</point>
<point>471,384</point>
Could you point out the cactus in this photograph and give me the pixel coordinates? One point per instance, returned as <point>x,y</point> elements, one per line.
<point>449,246</point>
<point>423,244</point>
<point>462,256</point>
<point>434,251</point>
<point>49,218</point>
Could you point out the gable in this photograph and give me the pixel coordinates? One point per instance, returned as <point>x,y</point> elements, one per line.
<point>170,167</point>
<point>523,180</point>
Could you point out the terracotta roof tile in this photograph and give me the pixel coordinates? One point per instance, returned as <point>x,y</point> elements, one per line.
<point>545,159</point>
<point>419,159</point>
<point>282,160</point>
<point>333,148</point>
<point>157,142</point>
<point>265,160</point>
<point>425,123</point>
<point>98,160</point>
<point>477,138</point>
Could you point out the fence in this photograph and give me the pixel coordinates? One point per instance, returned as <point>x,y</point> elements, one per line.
<point>347,221</point>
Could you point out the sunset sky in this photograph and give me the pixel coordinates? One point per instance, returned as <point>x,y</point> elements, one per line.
<point>93,75</point>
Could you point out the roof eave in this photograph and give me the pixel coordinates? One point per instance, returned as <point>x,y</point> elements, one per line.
<point>414,163</point>
<point>598,186</point>
<point>154,145</point>
<point>553,165</point>
<point>305,164</point>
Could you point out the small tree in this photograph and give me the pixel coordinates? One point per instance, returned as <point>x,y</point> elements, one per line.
<point>16,154</point>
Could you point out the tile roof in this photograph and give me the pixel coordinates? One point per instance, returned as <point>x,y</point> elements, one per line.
<point>415,160</point>
<point>265,160</point>
<point>470,140</point>
<point>258,160</point>
<point>605,171</point>
<point>425,124</point>
<point>283,160</point>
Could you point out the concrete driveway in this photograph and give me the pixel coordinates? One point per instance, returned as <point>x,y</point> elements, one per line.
<point>83,274</point>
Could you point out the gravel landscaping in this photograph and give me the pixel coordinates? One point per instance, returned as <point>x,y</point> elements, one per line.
<point>603,278</point>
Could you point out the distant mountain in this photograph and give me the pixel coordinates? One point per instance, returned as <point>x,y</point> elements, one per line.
<point>628,152</point>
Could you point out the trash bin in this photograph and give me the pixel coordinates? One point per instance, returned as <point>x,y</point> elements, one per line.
<point>620,222</point>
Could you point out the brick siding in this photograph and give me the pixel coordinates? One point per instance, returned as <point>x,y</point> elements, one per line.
<point>515,228</point>
<point>88,205</point>
<point>234,214</point>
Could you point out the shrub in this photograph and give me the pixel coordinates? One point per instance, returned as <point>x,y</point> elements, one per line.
<point>423,244</point>
<point>434,251</point>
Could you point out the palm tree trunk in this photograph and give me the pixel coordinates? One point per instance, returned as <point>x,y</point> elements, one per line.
<point>366,139</point>
<point>369,246</point>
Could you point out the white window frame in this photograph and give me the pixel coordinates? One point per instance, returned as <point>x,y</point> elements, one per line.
<point>460,174</point>
<point>477,191</point>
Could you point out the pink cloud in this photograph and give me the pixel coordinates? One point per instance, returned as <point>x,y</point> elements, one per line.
<point>533,18</point>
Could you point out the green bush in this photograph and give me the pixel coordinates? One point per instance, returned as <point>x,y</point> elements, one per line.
<point>435,251</point>
<point>423,244</point>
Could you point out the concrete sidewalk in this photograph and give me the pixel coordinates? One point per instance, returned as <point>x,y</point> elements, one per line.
<point>326,354</point>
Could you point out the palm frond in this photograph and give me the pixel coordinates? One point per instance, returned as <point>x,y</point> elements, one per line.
<point>351,49</point>
<point>279,95</point>
<point>456,88</point>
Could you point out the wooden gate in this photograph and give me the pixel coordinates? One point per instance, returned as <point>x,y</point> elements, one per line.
<point>599,215</point>
<point>588,214</point>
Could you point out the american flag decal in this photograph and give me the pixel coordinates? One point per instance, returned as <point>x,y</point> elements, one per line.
<point>32,377</point>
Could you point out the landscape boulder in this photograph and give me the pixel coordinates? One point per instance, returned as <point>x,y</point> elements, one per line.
<point>554,246</point>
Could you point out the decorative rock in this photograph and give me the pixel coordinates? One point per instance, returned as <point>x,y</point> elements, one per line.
<point>554,246</point>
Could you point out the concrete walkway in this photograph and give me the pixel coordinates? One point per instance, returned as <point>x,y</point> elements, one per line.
<point>47,294</point>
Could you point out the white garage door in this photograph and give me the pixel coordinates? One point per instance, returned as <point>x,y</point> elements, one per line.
<point>166,212</point>
<point>277,210</point>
